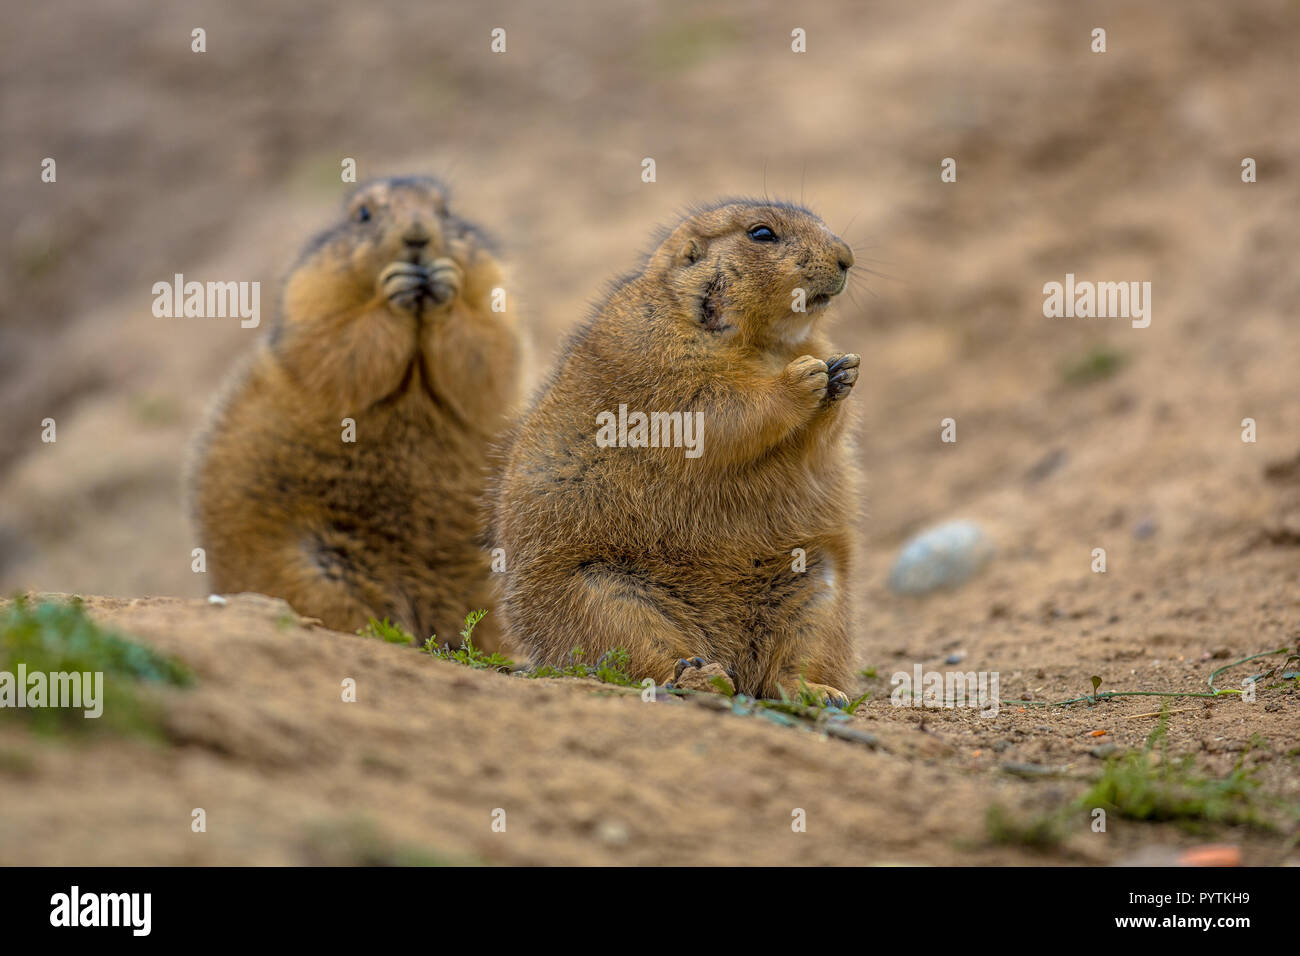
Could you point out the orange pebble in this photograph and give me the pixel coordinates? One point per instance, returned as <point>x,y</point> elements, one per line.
<point>1212,854</point>
<point>1098,733</point>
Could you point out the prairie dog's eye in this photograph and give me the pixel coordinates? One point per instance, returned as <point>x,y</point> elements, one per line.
<point>363,214</point>
<point>762,234</point>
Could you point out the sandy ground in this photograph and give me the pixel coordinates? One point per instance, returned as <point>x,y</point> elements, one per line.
<point>1115,167</point>
<point>430,754</point>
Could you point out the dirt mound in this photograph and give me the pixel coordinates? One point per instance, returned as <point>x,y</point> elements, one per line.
<point>421,766</point>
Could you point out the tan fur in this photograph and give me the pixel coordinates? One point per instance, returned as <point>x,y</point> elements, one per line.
<point>386,321</point>
<point>672,557</point>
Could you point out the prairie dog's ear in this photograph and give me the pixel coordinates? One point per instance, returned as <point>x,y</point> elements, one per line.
<point>690,251</point>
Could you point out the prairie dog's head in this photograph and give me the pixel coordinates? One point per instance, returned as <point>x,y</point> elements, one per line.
<point>399,245</point>
<point>746,268</point>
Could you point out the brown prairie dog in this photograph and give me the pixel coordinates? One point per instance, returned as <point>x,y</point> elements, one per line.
<point>387,320</point>
<point>678,556</point>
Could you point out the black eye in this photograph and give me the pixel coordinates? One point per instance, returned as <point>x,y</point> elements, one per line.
<point>762,234</point>
<point>363,214</point>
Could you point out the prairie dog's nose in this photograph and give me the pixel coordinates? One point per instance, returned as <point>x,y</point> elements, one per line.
<point>416,236</point>
<point>843,255</point>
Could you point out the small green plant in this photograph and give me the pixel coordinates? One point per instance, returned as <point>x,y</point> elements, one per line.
<point>687,44</point>
<point>467,654</point>
<point>610,668</point>
<point>1097,364</point>
<point>806,697</point>
<point>785,705</point>
<point>1040,831</point>
<point>574,669</point>
<point>17,764</point>
<point>855,704</point>
<point>722,686</point>
<point>387,631</point>
<point>357,841</point>
<point>1150,784</point>
<point>60,638</point>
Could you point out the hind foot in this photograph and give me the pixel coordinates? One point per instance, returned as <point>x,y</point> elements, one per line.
<point>823,693</point>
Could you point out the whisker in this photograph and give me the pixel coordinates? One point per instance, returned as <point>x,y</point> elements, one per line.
<point>869,291</point>
<point>850,224</point>
<point>865,246</point>
<point>880,275</point>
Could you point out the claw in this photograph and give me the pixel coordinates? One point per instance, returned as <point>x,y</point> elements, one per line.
<point>685,662</point>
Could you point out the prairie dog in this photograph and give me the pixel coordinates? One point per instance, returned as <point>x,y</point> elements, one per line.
<point>738,551</point>
<point>387,322</point>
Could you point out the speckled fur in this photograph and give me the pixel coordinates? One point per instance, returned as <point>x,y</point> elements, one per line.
<point>672,557</point>
<point>390,525</point>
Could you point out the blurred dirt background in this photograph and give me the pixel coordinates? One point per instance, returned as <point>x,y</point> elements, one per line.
<point>1073,434</point>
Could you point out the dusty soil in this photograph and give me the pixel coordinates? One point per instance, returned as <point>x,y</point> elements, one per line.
<point>1115,167</point>
<point>416,767</point>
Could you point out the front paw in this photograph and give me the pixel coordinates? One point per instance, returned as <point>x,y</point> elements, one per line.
<point>415,288</point>
<point>842,371</point>
<point>405,286</point>
<point>445,281</point>
<point>808,379</point>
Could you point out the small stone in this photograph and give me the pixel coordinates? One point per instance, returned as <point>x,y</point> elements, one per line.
<point>613,831</point>
<point>1144,529</point>
<point>1030,770</point>
<point>1049,463</point>
<point>1211,854</point>
<point>715,701</point>
<point>956,658</point>
<point>1148,856</point>
<point>940,557</point>
<point>702,679</point>
<point>1104,751</point>
<point>871,741</point>
<point>217,599</point>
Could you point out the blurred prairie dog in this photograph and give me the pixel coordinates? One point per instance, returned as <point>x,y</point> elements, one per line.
<point>387,322</point>
<point>737,551</point>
